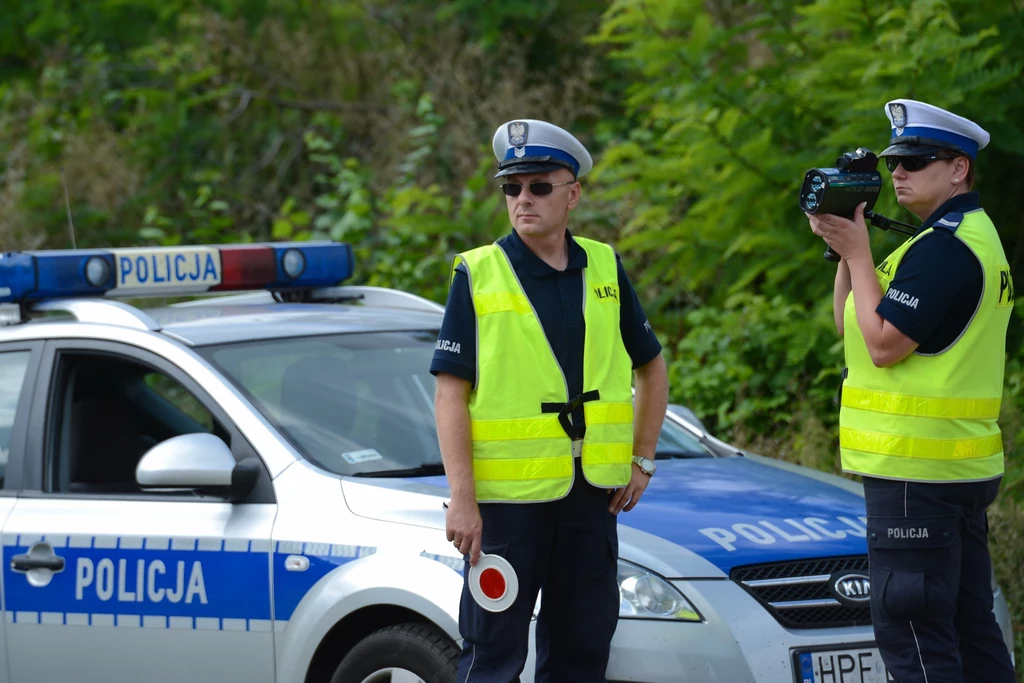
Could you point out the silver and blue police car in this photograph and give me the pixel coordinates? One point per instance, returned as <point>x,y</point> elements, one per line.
<point>248,487</point>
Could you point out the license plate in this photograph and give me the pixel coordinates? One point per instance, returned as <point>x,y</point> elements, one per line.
<point>861,665</point>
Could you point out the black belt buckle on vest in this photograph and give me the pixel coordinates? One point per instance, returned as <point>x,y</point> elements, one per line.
<point>574,432</point>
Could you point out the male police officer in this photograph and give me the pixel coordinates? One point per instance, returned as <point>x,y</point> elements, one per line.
<point>925,337</point>
<point>541,336</point>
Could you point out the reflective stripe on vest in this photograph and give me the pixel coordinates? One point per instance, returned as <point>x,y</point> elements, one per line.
<point>921,406</point>
<point>932,417</point>
<point>521,453</point>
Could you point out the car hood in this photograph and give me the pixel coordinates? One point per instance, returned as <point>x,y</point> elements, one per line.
<point>698,517</point>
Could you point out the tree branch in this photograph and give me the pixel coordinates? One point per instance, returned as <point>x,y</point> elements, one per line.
<point>267,158</point>
<point>729,99</point>
<point>729,148</point>
<point>288,160</point>
<point>697,77</point>
<point>243,104</point>
<point>787,26</point>
<point>313,105</point>
<point>867,13</point>
<point>746,163</point>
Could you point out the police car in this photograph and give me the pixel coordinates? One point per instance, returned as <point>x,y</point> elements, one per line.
<point>247,486</point>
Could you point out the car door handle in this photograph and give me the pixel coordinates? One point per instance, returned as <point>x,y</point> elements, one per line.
<point>24,563</point>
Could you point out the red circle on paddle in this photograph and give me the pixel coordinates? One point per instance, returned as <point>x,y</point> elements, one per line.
<point>492,583</point>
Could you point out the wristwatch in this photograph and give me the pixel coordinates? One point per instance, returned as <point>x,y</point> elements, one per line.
<point>647,465</point>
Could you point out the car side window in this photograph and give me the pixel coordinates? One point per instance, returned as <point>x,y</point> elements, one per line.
<point>174,393</point>
<point>106,413</point>
<point>13,366</point>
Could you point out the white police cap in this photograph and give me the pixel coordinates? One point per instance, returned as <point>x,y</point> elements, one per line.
<point>531,146</point>
<point>921,128</point>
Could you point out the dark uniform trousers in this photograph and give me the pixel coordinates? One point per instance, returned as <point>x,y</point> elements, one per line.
<point>931,587</point>
<point>569,548</point>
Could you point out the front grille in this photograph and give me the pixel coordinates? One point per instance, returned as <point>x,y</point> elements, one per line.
<point>799,594</point>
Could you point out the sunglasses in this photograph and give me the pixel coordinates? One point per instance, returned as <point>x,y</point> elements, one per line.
<point>911,164</point>
<point>536,189</point>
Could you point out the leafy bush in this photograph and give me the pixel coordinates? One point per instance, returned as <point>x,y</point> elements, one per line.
<point>753,361</point>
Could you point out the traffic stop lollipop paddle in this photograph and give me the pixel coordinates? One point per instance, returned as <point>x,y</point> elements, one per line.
<point>493,583</point>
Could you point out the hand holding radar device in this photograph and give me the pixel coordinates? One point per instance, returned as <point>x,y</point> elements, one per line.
<point>840,190</point>
<point>493,583</point>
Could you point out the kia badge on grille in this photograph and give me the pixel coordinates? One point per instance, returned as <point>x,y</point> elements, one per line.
<point>852,588</point>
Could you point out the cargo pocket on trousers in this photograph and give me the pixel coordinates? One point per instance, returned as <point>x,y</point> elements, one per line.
<point>914,566</point>
<point>601,593</point>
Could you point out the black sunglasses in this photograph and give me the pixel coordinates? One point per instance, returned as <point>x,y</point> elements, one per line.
<point>536,189</point>
<point>911,164</point>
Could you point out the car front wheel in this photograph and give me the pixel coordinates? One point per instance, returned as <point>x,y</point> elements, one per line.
<point>404,653</point>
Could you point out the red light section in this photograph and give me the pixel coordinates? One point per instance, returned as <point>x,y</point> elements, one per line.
<point>492,583</point>
<point>245,268</point>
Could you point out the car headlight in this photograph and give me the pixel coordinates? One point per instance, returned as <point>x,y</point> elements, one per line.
<point>645,595</point>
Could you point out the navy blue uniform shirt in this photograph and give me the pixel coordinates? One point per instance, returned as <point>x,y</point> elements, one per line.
<point>557,296</point>
<point>938,284</point>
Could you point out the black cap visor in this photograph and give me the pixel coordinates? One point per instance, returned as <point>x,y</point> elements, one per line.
<point>530,165</point>
<point>914,146</point>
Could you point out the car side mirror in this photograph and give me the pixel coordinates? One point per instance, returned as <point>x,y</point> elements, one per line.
<point>195,461</point>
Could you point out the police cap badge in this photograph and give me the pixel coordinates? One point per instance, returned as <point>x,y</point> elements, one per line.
<point>899,117</point>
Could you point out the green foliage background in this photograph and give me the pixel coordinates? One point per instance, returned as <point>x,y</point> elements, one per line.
<point>204,121</point>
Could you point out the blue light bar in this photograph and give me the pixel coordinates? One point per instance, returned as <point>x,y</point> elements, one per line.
<point>172,271</point>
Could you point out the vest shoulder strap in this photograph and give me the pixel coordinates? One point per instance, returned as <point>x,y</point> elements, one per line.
<point>467,257</point>
<point>586,242</point>
<point>599,250</point>
<point>951,221</point>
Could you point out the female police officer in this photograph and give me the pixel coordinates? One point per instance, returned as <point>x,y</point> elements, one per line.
<point>925,337</point>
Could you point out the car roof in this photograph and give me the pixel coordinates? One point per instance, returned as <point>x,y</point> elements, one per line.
<point>257,315</point>
<point>219,324</point>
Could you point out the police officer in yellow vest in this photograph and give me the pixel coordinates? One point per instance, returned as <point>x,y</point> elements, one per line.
<point>542,446</point>
<point>925,337</point>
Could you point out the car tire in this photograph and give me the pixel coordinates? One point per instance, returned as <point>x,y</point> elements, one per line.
<point>420,649</point>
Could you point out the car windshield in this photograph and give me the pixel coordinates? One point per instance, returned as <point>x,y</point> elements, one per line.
<point>361,404</point>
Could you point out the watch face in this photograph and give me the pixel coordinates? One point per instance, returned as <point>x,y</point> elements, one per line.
<point>645,464</point>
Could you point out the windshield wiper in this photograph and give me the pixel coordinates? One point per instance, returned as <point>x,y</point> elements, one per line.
<point>671,453</point>
<point>427,469</point>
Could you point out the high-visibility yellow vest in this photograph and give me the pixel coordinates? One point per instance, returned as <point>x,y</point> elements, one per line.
<point>521,452</point>
<point>932,417</point>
